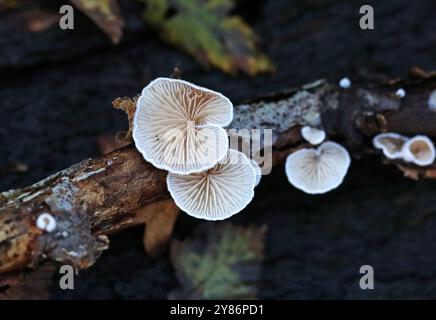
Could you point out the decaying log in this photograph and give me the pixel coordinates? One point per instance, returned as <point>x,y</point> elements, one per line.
<point>97,197</point>
<point>88,200</point>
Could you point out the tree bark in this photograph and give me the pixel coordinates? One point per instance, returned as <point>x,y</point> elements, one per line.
<point>97,197</point>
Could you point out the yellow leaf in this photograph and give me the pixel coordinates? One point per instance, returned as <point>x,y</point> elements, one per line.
<point>206,30</point>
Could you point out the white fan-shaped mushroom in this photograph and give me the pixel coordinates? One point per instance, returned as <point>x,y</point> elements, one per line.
<point>257,170</point>
<point>419,150</point>
<point>177,126</point>
<point>217,193</point>
<point>318,171</point>
<point>313,135</point>
<point>390,143</point>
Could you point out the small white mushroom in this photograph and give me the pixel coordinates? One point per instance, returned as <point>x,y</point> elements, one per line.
<point>257,170</point>
<point>432,101</point>
<point>316,171</point>
<point>401,93</point>
<point>391,144</point>
<point>313,135</point>
<point>178,126</point>
<point>217,193</point>
<point>419,150</point>
<point>46,221</point>
<point>345,83</point>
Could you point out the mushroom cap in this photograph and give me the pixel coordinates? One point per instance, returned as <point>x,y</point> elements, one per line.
<point>313,135</point>
<point>177,126</point>
<point>390,143</point>
<point>318,171</point>
<point>345,83</point>
<point>257,170</point>
<point>401,93</point>
<point>46,221</point>
<point>432,100</point>
<point>217,193</point>
<point>419,150</point>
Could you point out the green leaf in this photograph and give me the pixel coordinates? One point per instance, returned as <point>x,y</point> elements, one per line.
<point>220,261</point>
<point>204,29</point>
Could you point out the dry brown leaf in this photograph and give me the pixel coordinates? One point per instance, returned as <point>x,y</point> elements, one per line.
<point>106,14</point>
<point>411,173</point>
<point>159,219</point>
<point>128,105</point>
<point>430,173</point>
<point>108,143</point>
<point>416,173</point>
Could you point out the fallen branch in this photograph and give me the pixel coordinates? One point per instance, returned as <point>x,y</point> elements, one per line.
<point>97,197</point>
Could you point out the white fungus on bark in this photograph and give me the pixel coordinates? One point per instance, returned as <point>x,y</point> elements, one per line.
<point>46,221</point>
<point>217,193</point>
<point>178,126</point>
<point>313,135</point>
<point>317,171</point>
<point>432,100</point>
<point>391,144</point>
<point>419,150</point>
<point>345,83</point>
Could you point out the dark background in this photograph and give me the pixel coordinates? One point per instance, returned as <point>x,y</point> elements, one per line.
<point>56,89</point>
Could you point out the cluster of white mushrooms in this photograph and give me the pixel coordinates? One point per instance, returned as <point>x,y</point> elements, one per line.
<point>178,127</point>
<point>418,149</point>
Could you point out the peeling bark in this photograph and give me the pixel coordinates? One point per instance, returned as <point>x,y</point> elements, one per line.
<point>88,200</point>
<point>97,197</point>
